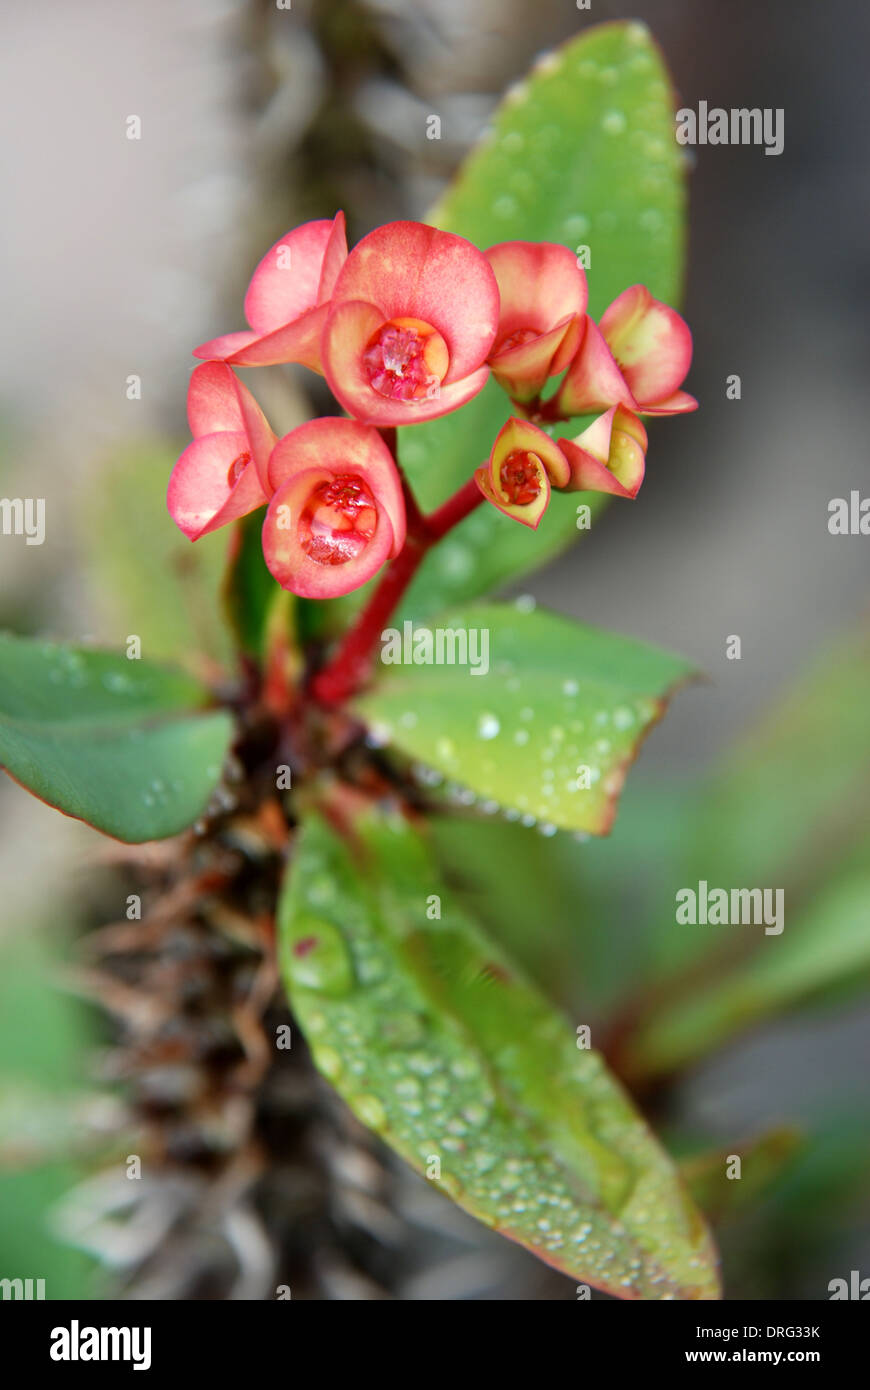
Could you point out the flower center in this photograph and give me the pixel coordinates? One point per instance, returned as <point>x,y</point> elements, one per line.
<point>517,339</point>
<point>237,468</point>
<point>338,522</point>
<point>406,360</point>
<point>520,477</point>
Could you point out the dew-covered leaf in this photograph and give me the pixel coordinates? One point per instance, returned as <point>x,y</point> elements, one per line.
<point>549,729</point>
<point>123,744</point>
<point>439,1044</point>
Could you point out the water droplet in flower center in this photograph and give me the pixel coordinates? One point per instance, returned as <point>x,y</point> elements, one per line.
<point>237,468</point>
<point>520,477</point>
<point>406,360</point>
<point>338,522</point>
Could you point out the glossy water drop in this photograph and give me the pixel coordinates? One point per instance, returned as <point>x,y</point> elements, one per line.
<point>318,958</point>
<point>370,1111</point>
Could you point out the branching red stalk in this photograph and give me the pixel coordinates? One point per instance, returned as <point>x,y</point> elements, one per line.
<point>350,665</point>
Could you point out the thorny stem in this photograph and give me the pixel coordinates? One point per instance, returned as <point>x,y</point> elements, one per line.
<point>349,667</point>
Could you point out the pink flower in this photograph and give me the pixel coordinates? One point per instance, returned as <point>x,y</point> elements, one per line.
<point>413,316</point>
<point>543,303</point>
<point>609,456</point>
<point>337,512</point>
<point>287,300</point>
<point>637,358</point>
<point>223,474</point>
<point>521,468</point>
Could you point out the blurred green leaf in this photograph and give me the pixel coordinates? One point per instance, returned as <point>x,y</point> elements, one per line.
<point>549,729</point>
<point>763,1161</point>
<point>827,943</point>
<point>795,1237</point>
<point>249,590</point>
<point>39,1125</point>
<point>790,801</point>
<point>789,809</point>
<point>123,744</point>
<point>43,1038</point>
<point>148,579</point>
<point>440,1045</point>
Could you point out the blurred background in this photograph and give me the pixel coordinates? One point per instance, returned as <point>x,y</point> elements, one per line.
<point>118,255</point>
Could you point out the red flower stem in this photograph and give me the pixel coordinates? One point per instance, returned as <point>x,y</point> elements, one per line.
<point>349,667</point>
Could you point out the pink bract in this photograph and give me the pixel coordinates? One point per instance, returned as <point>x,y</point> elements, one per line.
<point>223,474</point>
<point>638,358</point>
<point>543,296</point>
<point>288,299</point>
<point>337,512</point>
<point>413,316</point>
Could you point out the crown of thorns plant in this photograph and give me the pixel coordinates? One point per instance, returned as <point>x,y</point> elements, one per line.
<point>406,328</point>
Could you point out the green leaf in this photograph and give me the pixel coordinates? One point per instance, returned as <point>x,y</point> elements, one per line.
<point>122,744</point>
<point>441,1046</point>
<point>44,1037</point>
<point>763,1161</point>
<point>148,579</point>
<point>561,705</point>
<point>581,153</point>
<point>828,943</point>
<point>791,799</point>
<point>249,590</point>
<point>787,809</point>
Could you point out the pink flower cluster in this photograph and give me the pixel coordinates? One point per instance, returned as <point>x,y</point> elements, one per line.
<point>405,328</point>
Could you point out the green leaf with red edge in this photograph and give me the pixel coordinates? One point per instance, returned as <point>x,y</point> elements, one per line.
<point>548,730</point>
<point>126,745</point>
<point>439,1044</point>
